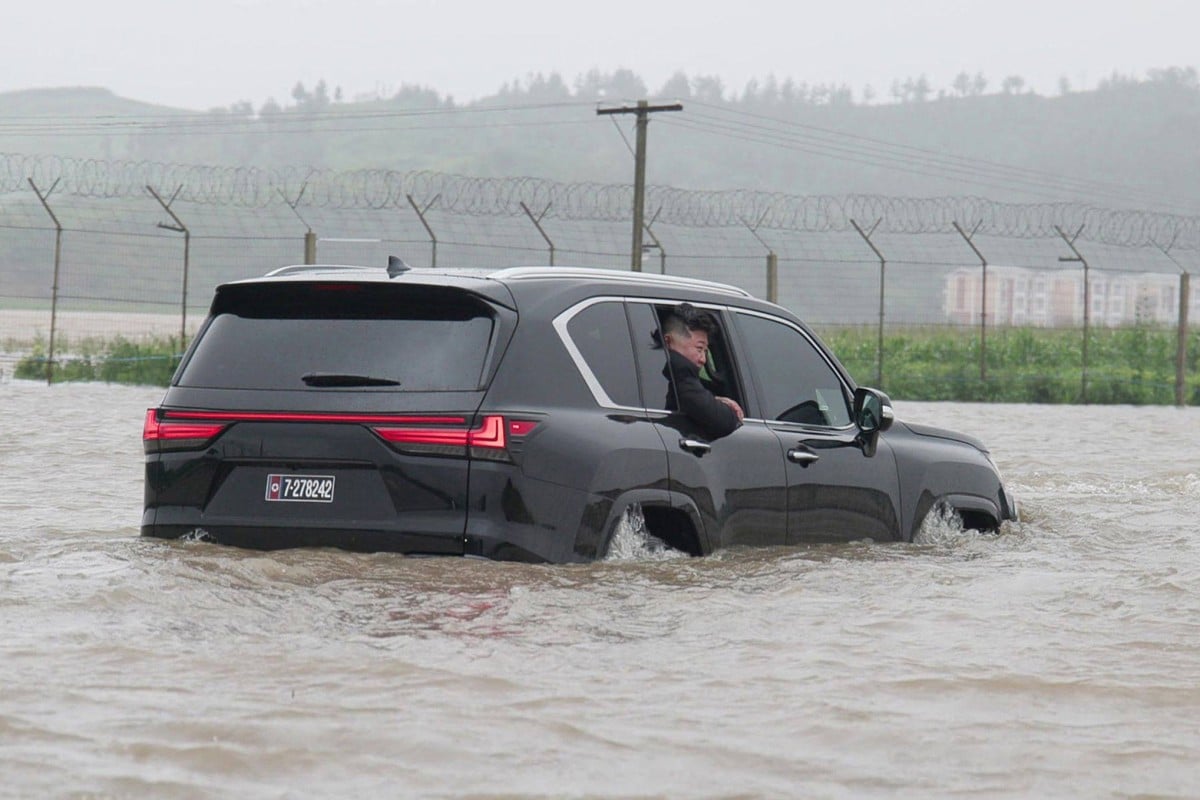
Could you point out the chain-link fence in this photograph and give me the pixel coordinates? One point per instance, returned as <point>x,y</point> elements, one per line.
<point>94,252</point>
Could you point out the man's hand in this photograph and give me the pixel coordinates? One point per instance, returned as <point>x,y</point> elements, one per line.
<point>732,404</point>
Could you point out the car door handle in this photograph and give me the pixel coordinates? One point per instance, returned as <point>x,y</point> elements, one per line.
<point>802,457</point>
<point>695,446</point>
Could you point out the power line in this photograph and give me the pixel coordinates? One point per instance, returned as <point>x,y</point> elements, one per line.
<point>927,166</point>
<point>943,156</point>
<point>853,156</point>
<point>829,142</point>
<point>298,131</point>
<point>174,123</point>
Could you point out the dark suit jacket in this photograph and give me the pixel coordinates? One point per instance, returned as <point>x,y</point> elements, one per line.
<point>700,405</point>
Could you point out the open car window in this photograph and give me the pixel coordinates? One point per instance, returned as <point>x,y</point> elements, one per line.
<point>719,375</point>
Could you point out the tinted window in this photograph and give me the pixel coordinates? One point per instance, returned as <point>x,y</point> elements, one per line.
<point>651,358</point>
<point>798,385</point>
<point>268,337</point>
<point>601,334</point>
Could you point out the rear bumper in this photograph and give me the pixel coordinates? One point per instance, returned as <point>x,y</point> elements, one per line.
<point>363,540</point>
<point>435,533</point>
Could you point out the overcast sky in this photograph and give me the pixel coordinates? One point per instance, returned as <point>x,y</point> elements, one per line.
<point>201,55</point>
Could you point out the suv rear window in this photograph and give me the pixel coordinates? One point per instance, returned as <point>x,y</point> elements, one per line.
<point>269,336</point>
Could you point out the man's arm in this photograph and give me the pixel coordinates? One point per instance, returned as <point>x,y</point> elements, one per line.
<point>699,404</point>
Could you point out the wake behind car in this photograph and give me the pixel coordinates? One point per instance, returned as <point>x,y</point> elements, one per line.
<point>518,413</point>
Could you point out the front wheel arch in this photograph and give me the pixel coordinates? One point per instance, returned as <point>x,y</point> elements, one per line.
<point>975,513</point>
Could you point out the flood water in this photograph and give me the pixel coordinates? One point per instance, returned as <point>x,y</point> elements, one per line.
<point>1060,658</point>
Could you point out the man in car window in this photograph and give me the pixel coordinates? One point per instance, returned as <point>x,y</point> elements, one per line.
<point>686,333</point>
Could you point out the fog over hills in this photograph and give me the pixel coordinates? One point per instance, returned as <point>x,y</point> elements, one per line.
<point>1128,143</point>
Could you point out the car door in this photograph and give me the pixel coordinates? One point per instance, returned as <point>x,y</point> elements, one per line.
<point>610,449</point>
<point>737,483</point>
<point>836,491</point>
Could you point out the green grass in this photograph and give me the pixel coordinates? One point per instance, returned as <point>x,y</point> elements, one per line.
<point>1024,365</point>
<point>149,362</point>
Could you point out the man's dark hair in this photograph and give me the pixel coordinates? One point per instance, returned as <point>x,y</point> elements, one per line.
<point>684,318</point>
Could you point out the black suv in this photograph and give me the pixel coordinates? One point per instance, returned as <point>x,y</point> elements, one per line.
<point>519,413</point>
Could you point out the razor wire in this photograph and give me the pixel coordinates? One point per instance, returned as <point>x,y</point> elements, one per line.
<point>248,187</point>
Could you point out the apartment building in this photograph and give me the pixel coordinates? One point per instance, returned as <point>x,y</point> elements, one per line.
<point>1019,296</point>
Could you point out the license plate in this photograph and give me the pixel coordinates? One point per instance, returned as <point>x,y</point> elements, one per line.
<point>300,488</point>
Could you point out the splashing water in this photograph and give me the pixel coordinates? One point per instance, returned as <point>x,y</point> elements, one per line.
<point>633,542</point>
<point>942,526</point>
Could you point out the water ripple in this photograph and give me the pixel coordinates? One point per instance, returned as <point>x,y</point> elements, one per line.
<point>1056,658</point>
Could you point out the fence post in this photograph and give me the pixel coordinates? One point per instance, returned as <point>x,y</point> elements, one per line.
<point>772,277</point>
<point>1185,280</point>
<point>537,223</point>
<point>866,235</point>
<point>772,260</point>
<point>662,253</point>
<point>58,230</point>
<point>178,227</point>
<point>982,300</point>
<point>1087,302</point>
<point>310,247</point>
<point>310,238</point>
<point>421,215</point>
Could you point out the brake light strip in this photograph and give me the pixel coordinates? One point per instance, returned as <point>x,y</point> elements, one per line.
<point>292,416</point>
<point>489,434</point>
<point>397,429</point>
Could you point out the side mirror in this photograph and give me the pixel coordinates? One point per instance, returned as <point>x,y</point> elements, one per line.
<point>872,414</point>
<point>872,410</point>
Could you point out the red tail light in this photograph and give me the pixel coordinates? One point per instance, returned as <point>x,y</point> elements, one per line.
<point>487,440</point>
<point>521,427</point>
<point>490,439</point>
<point>430,434</point>
<point>166,434</point>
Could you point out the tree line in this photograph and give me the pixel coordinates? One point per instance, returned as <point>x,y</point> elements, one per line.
<point>767,92</point>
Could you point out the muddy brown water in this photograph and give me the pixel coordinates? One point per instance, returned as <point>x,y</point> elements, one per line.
<point>1060,658</point>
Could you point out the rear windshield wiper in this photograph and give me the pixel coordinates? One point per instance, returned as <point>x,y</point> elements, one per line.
<point>344,379</point>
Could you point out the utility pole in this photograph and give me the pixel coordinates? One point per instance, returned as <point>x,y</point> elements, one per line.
<point>643,111</point>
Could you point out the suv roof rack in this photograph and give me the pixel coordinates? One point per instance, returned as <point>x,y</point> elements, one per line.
<point>297,269</point>
<point>534,273</point>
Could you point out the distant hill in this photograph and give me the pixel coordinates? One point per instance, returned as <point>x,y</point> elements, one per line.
<point>1130,143</point>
